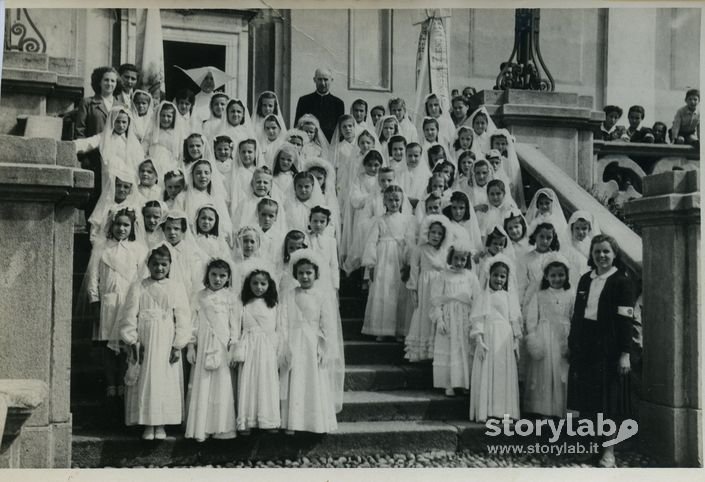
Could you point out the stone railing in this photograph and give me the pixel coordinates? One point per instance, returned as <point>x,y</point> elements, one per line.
<point>619,168</point>
<point>573,197</point>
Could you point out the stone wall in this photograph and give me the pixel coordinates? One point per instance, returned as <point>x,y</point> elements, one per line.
<point>39,186</point>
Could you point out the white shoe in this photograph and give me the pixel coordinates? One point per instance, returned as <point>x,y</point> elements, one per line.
<point>159,433</point>
<point>148,433</point>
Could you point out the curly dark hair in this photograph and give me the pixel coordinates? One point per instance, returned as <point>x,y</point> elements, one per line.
<point>97,77</point>
<point>555,245</point>
<point>270,297</point>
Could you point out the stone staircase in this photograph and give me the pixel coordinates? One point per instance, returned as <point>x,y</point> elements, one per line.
<point>389,407</point>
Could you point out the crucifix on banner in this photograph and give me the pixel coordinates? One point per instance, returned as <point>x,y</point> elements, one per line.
<point>432,58</point>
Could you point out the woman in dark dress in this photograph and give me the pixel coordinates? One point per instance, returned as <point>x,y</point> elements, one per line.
<point>91,115</point>
<point>600,340</point>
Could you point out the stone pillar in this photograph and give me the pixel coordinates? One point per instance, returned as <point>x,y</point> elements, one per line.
<point>561,124</point>
<point>40,184</point>
<point>670,413</point>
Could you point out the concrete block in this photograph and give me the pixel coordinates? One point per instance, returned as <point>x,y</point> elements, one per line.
<point>39,126</point>
<point>550,114</point>
<point>487,97</point>
<point>42,79</point>
<point>36,447</point>
<point>20,150</point>
<point>18,104</point>
<point>25,60</point>
<point>669,182</point>
<point>560,145</point>
<point>692,180</point>
<point>536,98</point>
<point>62,311</point>
<point>586,101</point>
<point>401,405</point>
<point>66,154</point>
<point>62,65</point>
<point>22,175</point>
<point>26,278</point>
<point>61,434</point>
<point>24,394</point>
<point>10,455</point>
<point>673,435</point>
<point>82,179</point>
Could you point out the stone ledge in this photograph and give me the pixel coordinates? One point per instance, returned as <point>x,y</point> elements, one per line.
<point>40,82</point>
<point>533,97</point>
<point>22,150</point>
<point>665,207</point>
<point>673,182</point>
<point>641,149</point>
<point>42,183</point>
<point>25,60</point>
<point>24,394</point>
<point>545,116</point>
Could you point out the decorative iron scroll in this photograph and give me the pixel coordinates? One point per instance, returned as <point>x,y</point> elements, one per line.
<point>524,68</point>
<point>22,34</point>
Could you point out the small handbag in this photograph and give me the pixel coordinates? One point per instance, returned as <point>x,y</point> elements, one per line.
<point>133,370</point>
<point>535,346</point>
<point>213,353</point>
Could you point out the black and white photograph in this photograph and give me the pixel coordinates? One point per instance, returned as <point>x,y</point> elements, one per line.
<point>341,236</point>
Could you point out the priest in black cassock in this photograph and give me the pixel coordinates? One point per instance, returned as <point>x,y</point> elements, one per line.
<point>325,106</point>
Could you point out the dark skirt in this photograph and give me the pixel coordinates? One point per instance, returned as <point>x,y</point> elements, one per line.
<point>594,382</point>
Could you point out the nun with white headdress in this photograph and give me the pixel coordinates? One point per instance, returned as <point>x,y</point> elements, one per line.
<point>207,79</point>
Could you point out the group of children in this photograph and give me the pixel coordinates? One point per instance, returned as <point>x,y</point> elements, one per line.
<point>222,240</point>
<point>684,130</point>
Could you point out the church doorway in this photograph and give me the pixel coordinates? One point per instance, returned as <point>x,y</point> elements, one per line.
<point>188,55</point>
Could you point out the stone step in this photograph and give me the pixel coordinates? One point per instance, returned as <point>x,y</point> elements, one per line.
<point>359,349</point>
<point>370,352</point>
<point>82,328</point>
<point>352,328</point>
<point>402,405</point>
<point>357,407</point>
<point>87,379</point>
<point>388,377</point>
<point>352,306</point>
<point>126,449</point>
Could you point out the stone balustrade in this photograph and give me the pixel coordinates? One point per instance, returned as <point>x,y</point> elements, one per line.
<point>620,167</point>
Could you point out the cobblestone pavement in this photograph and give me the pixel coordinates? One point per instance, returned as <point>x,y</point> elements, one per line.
<point>439,460</point>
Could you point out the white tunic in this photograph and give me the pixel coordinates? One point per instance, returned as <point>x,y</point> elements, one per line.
<point>156,315</point>
<point>211,406</point>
